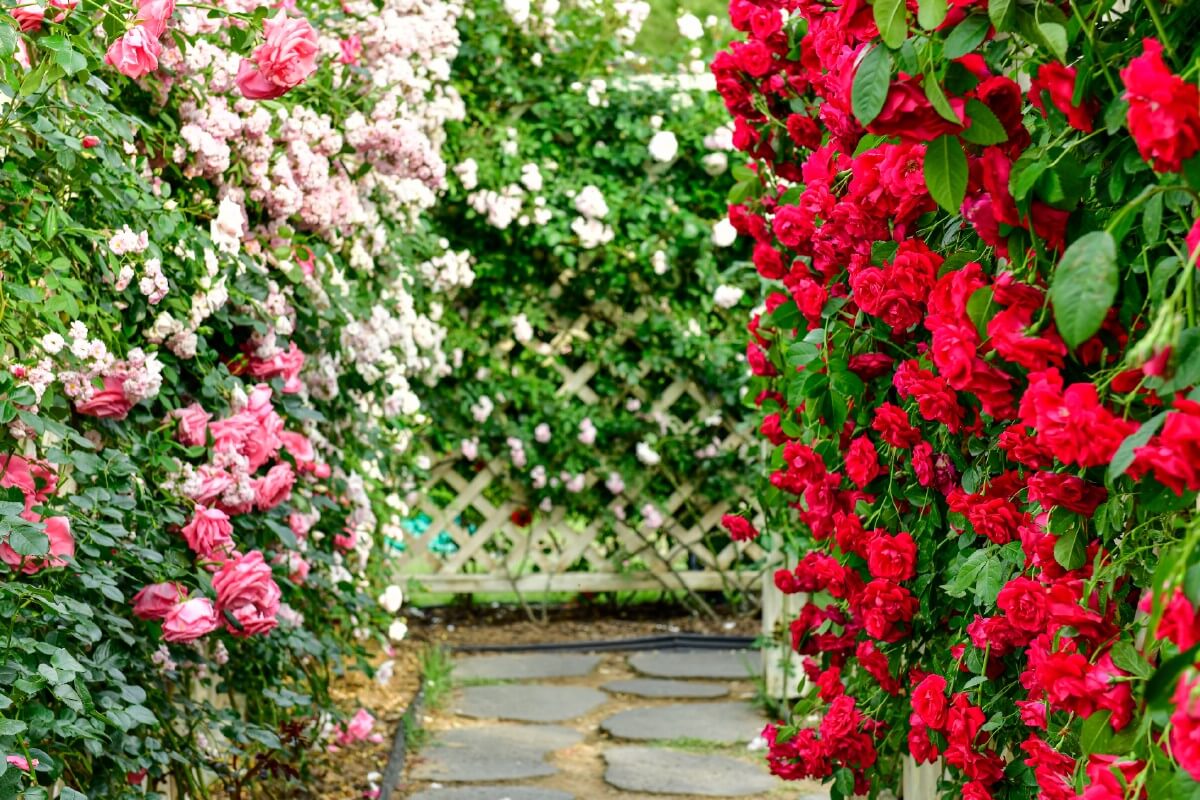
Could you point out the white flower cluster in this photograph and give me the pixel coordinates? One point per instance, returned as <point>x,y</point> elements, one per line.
<point>589,226</point>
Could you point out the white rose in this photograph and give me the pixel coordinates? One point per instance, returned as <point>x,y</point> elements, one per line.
<point>728,296</point>
<point>663,146</point>
<point>723,233</point>
<point>690,27</point>
<point>397,631</point>
<point>392,598</point>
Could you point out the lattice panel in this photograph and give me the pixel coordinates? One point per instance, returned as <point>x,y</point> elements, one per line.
<point>470,543</point>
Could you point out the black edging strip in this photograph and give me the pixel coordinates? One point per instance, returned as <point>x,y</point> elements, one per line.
<point>677,641</point>
<point>394,771</point>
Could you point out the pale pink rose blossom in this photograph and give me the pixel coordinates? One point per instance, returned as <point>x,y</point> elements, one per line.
<point>154,14</point>
<point>134,54</point>
<point>275,487</point>
<point>29,18</point>
<point>21,763</point>
<point>193,425</point>
<point>209,533</point>
<point>190,620</point>
<point>283,61</point>
<point>109,402</point>
<point>246,589</point>
<point>156,600</point>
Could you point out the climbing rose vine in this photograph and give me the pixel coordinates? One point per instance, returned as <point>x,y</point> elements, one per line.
<point>977,366</point>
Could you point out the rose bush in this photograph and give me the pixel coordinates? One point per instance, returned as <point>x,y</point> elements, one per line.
<point>586,183</point>
<point>981,345</point>
<point>218,299</point>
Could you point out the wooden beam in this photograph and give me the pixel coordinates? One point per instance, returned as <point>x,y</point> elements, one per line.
<point>575,582</point>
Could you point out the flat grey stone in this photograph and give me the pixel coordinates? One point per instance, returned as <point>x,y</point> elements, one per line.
<point>707,722</point>
<point>524,666</point>
<point>493,753</point>
<point>719,664</point>
<point>660,771</point>
<point>528,703</point>
<point>492,793</point>
<point>654,687</point>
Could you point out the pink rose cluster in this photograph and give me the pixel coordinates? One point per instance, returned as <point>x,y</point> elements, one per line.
<point>242,444</point>
<point>36,482</point>
<point>247,602</point>
<point>285,59</point>
<point>135,54</point>
<point>358,729</point>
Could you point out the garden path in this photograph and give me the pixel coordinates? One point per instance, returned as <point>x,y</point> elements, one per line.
<point>614,726</point>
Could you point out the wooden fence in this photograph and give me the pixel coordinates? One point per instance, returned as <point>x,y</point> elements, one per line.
<point>469,543</point>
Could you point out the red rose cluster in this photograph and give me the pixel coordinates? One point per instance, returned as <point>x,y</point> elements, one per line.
<point>984,410</point>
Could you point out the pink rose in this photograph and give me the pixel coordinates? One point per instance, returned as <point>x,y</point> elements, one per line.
<point>300,524</point>
<point>189,620</point>
<point>135,54</point>
<point>296,566</point>
<point>22,763</point>
<point>358,729</point>
<point>90,141</point>
<point>29,18</point>
<point>154,14</point>
<point>110,402</point>
<point>275,487</point>
<point>193,425</point>
<point>351,50</point>
<point>300,448</point>
<point>285,364</point>
<point>247,591</point>
<point>62,546</point>
<point>209,533</point>
<point>212,483</point>
<point>156,600</point>
<point>285,59</point>
<point>35,481</point>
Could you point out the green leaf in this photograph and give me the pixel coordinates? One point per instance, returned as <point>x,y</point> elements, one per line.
<point>70,794</point>
<point>891,17</point>
<point>1161,685</point>
<point>937,97</point>
<point>8,40</point>
<point>967,577</point>
<point>966,36</point>
<point>1056,39</point>
<point>984,128</point>
<point>931,13</point>
<point>11,727</point>
<point>1152,214</point>
<point>979,309</point>
<point>1122,460</point>
<point>29,541</point>
<point>70,60</point>
<point>946,172</point>
<point>1000,12</point>
<point>1126,656</point>
<point>871,83</point>
<point>1070,551</point>
<point>1187,357</point>
<point>65,661</point>
<point>1084,286</point>
<point>1095,733</point>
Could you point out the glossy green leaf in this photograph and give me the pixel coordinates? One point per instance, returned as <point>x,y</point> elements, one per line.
<point>871,82</point>
<point>1084,286</point>
<point>946,172</point>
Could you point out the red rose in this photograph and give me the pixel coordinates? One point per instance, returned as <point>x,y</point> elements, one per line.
<point>1185,725</point>
<point>841,719</point>
<point>885,609</point>
<point>1023,602</point>
<point>892,557</point>
<point>929,701</point>
<point>1058,81</point>
<point>1164,110</point>
<point>907,113</point>
<point>893,426</point>
<point>740,529</point>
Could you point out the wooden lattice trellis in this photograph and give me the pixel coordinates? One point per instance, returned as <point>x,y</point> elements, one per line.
<point>558,552</point>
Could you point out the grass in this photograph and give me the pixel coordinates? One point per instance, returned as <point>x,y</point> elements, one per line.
<point>696,745</point>
<point>437,672</point>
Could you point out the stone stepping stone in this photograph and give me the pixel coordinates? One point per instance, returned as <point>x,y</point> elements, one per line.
<point>660,771</point>
<point>719,723</point>
<point>492,793</point>
<point>653,687</point>
<point>713,664</point>
<point>493,753</point>
<point>524,666</point>
<point>528,703</point>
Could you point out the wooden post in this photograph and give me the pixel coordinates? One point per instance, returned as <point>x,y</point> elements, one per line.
<point>920,780</point>
<point>781,665</point>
